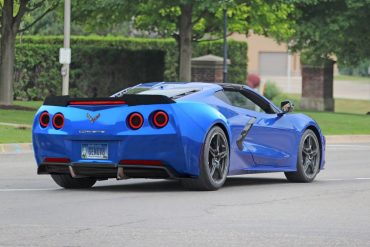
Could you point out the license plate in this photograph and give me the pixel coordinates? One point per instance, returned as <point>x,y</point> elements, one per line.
<point>94,151</point>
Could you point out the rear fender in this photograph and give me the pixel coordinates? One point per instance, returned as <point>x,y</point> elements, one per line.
<point>194,121</point>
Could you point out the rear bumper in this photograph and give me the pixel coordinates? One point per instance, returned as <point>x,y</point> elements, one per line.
<point>106,171</point>
<point>167,148</point>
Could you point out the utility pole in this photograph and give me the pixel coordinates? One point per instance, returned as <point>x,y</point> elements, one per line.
<point>289,73</point>
<point>225,46</point>
<point>289,67</point>
<point>65,52</point>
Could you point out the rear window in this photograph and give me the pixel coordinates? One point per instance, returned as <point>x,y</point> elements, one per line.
<point>173,93</point>
<point>136,90</point>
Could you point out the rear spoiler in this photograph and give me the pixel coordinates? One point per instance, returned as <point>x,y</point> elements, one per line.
<point>127,99</point>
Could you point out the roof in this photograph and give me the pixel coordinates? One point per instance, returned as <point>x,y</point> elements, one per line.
<point>210,58</point>
<point>179,85</point>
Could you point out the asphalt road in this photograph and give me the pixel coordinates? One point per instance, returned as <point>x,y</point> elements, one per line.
<point>251,210</point>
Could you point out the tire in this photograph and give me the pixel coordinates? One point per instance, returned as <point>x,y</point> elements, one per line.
<point>308,162</point>
<point>214,166</point>
<point>68,182</point>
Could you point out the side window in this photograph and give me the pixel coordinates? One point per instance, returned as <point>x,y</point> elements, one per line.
<point>221,95</point>
<point>239,100</point>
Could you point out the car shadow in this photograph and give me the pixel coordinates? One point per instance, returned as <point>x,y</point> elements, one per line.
<point>175,185</point>
<point>245,181</point>
<point>145,186</point>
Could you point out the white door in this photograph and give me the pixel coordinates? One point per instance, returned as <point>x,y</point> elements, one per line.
<point>273,63</point>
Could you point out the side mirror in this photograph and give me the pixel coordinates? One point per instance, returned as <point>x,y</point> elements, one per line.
<point>286,106</point>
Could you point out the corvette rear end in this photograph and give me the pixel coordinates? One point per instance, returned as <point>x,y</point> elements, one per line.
<point>110,138</point>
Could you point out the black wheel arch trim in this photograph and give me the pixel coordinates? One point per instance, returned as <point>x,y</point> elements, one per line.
<point>318,136</point>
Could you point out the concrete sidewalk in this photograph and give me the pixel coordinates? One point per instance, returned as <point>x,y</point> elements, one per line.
<point>15,148</point>
<point>334,139</point>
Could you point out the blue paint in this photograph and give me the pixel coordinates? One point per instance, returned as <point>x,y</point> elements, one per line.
<point>271,145</point>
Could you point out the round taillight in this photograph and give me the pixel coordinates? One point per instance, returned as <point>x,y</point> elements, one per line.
<point>135,120</point>
<point>160,119</point>
<point>58,121</point>
<point>44,119</point>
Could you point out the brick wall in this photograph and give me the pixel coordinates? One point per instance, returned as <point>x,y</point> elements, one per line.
<point>203,74</point>
<point>317,88</point>
<point>208,68</point>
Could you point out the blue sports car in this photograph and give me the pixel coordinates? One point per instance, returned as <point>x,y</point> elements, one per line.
<point>198,133</point>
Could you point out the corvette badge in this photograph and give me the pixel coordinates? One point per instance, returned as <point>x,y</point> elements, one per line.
<point>92,119</point>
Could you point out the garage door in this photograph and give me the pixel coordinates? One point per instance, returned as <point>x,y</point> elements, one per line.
<point>273,63</point>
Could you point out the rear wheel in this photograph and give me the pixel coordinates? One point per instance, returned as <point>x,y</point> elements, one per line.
<point>68,182</point>
<point>215,162</point>
<point>308,163</point>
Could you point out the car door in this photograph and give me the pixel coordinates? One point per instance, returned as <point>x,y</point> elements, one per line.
<point>240,158</point>
<point>271,139</point>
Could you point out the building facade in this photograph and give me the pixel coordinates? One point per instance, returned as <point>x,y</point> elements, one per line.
<point>268,58</point>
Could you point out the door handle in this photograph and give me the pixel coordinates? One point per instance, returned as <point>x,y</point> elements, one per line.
<point>244,133</point>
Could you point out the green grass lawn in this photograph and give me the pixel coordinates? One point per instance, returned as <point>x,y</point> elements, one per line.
<point>32,104</point>
<point>352,78</point>
<point>353,106</point>
<point>18,116</point>
<point>9,134</point>
<point>341,123</point>
<point>349,118</point>
<point>13,135</point>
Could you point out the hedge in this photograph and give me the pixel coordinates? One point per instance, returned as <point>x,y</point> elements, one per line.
<point>103,65</point>
<point>95,71</point>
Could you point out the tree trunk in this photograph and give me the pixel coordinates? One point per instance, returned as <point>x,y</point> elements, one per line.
<point>8,35</point>
<point>7,69</point>
<point>185,42</point>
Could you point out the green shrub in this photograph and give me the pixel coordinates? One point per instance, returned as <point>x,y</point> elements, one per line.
<point>102,65</point>
<point>271,90</point>
<point>37,72</point>
<point>362,69</point>
<point>168,46</point>
<point>95,71</point>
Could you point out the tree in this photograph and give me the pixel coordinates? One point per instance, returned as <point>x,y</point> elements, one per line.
<point>190,20</point>
<point>12,14</point>
<point>333,27</point>
<point>326,31</point>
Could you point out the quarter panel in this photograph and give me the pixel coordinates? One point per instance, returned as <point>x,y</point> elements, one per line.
<point>194,121</point>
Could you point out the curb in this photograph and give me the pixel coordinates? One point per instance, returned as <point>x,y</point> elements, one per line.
<point>334,139</point>
<point>18,148</point>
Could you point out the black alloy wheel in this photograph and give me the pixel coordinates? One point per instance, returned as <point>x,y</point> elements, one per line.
<point>309,156</point>
<point>215,162</point>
